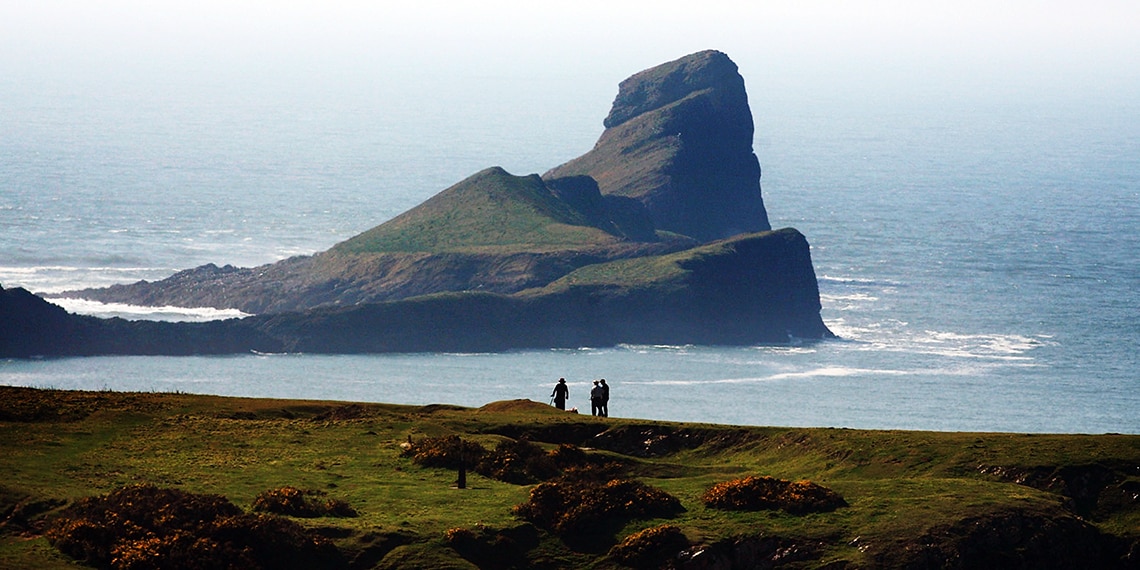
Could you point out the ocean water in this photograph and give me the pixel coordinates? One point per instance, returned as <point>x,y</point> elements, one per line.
<point>978,255</point>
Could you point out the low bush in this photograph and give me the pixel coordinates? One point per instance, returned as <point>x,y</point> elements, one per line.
<point>769,493</point>
<point>144,527</point>
<point>447,452</point>
<point>650,548</point>
<point>575,507</point>
<point>517,461</point>
<point>293,502</point>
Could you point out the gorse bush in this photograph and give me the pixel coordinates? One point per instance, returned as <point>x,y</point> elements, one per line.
<point>144,527</point>
<point>575,507</point>
<point>769,493</point>
<point>293,502</point>
<point>447,452</point>
<point>517,461</point>
<point>650,548</point>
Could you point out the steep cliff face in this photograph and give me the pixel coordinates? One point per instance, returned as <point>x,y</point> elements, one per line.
<point>679,140</point>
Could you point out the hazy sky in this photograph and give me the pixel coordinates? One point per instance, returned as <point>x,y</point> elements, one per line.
<point>884,39</point>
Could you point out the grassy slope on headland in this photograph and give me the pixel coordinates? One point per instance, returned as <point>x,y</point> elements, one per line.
<point>902,487</point>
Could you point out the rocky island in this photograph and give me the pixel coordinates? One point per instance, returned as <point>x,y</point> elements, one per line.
<point>658,234</point>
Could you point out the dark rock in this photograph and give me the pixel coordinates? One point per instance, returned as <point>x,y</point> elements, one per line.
<point>679,140</point>
<point>750,552</point>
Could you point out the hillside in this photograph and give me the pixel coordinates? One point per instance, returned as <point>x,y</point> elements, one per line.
<point>896,499</point>
<point>490,211</point>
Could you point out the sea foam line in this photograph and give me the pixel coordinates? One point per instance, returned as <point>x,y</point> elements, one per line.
<point>822,372</point>
<point>141,313</point>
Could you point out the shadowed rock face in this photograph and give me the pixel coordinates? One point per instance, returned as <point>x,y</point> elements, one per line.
<point>679,140</point>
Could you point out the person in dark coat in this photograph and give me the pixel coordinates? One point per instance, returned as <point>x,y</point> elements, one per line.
<point>596,395</point>
<point>561,392</point>
<point>605,398</point>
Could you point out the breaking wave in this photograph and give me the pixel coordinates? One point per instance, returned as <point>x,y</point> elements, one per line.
<point>140,313</point>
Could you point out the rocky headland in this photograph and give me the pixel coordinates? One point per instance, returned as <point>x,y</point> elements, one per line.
<point>657,235</point>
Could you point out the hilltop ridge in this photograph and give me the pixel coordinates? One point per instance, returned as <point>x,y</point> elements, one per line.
<point>678,140</point>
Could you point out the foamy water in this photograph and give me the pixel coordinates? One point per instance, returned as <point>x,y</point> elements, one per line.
<point>136,312</point>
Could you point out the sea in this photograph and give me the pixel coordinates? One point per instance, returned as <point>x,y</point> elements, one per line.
<point>978,252</point>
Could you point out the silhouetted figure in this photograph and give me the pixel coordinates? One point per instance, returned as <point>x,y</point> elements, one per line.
<point>596,395</point>
<point>561,392</point>
<point>605,398</point>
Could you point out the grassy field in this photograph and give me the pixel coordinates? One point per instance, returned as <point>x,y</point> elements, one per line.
<point>489,211</point>
<point>902,488</point>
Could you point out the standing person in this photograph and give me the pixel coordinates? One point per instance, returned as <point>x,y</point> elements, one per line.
<point>596,399</point>
<point>605,398</point>
<point>561,392</point>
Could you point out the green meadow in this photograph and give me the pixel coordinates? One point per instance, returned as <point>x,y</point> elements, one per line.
<point>904,491</point>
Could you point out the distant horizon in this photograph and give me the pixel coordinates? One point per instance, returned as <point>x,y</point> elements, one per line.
<point>1014,49</point>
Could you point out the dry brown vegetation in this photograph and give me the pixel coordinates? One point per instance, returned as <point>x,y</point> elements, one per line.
<point>760,493</point>
<point>144,527</point>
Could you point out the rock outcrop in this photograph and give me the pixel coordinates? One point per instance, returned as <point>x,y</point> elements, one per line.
<point>679,140</point>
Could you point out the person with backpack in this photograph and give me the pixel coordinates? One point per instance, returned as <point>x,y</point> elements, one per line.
<point>561,392</point>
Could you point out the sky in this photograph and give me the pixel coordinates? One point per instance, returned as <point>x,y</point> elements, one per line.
<point>879,40</point>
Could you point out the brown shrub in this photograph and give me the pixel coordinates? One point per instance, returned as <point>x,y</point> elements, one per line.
<point>517,461</point>
<point>143,527</point>
<point>567,455</point>
<point>763,493</point>
<point>650,548</point>
<point>293,502</point>
<point>447,452</point>
<point>576,507</point>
